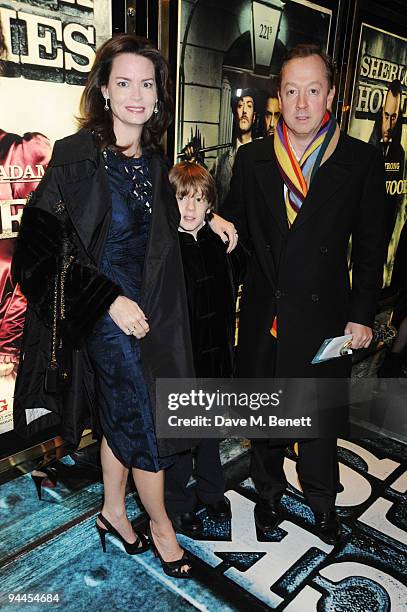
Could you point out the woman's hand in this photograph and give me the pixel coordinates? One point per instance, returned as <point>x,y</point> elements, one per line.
<point>221,227</point>
<point>128,315</point>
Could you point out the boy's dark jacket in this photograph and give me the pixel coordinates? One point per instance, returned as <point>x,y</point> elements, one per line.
<point>69,216</point>
<point>211,278</point>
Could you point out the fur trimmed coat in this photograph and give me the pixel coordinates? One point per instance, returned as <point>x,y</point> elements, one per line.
<point>66,223</point>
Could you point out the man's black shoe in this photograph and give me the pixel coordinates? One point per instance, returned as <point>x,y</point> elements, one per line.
<point>266,515</point>
<point>328,527</point>
<point>188,522</point>
<point>220,510</point>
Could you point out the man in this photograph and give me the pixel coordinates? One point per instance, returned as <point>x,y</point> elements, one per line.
<point>271,114</point>
<point>244,114</point>
<point>386,136</point>
<point>297,291</point>
<point>388,116</point>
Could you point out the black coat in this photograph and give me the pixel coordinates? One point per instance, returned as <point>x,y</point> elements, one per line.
<point>70,214</point>
<point>212,278</point>
<point>301,274</point>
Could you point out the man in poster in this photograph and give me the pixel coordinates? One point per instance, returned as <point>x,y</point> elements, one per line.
<point>386,136</point>
<point>272,112</point>
<point>296,198</point>
<point>244,114</point>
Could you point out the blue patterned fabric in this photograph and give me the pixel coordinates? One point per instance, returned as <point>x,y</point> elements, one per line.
<point>122,396</point>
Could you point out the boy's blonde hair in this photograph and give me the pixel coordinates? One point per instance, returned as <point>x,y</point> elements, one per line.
<point>190,176</point>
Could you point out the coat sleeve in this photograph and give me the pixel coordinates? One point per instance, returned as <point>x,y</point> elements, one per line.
<point>46,241</point>
<point>368,244</point>
<point>234,206</point>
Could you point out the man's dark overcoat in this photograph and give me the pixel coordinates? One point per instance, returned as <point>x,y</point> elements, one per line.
<point>301,274</point>
<point>70,213</point>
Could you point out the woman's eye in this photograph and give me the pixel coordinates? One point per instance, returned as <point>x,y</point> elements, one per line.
<point>148,84</point>
<point>122,83</point>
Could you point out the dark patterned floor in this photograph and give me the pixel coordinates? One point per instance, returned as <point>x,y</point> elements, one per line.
<point>51,547</point>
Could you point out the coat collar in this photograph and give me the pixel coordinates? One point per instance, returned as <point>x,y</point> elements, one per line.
<point>270,181</point>
<point>79,186</point>
<point>330,177</point>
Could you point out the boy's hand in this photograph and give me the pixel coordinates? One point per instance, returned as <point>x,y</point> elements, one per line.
<point>128,315</point>
<point>225,229</point>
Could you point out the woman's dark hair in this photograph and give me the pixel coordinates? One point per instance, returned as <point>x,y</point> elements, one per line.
<point>306,50</point>
<point>94,117</point>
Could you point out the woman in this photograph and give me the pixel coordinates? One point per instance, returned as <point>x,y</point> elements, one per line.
<point>103,223</point>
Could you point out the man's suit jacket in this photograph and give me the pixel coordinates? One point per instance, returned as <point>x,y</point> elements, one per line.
<point>301,274</point>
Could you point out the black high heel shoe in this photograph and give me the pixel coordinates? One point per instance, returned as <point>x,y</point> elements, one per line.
<point>134,548</point>
<point>49,473</point>
<point>171,568</point>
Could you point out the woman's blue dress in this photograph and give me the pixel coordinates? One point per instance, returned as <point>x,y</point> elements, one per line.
<point>122,397</point>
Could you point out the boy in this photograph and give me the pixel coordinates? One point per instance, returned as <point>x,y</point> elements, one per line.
<point>211,304</point>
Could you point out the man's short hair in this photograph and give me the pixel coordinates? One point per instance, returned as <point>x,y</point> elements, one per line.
<point>190,176</point>
<point>272,91</point>
<point>394,88</point>
<point>307,50</point>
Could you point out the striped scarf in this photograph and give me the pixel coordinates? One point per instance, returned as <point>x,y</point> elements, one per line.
<point>297,175</point>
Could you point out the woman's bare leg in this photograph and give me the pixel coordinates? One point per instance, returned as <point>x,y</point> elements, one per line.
<point>114,480</point>
<point>150,487</point>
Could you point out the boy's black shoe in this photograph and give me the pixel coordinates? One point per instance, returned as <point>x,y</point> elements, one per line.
<point>188,522</point>
<point>220,510</point>
<point>266,515</point>
<point>328,527</point>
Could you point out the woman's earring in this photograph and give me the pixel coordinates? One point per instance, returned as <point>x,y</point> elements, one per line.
<point>106,106</point>
<point>156,107</point>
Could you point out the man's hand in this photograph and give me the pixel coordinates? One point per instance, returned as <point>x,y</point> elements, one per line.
<point>221,227</point>
<point>361,334</point>
<point>128,315</point>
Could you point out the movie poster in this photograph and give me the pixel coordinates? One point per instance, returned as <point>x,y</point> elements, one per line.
<point>47,50</point>
<point>228,57</point>
<point>378,114</point>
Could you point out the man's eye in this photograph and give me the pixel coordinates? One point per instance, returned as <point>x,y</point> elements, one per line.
<point>314,91</point>
<point>290,92</point>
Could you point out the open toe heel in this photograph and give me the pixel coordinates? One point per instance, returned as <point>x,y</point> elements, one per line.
<point>135,548</point>
<point>172,568</point>
<point>49,473</point>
